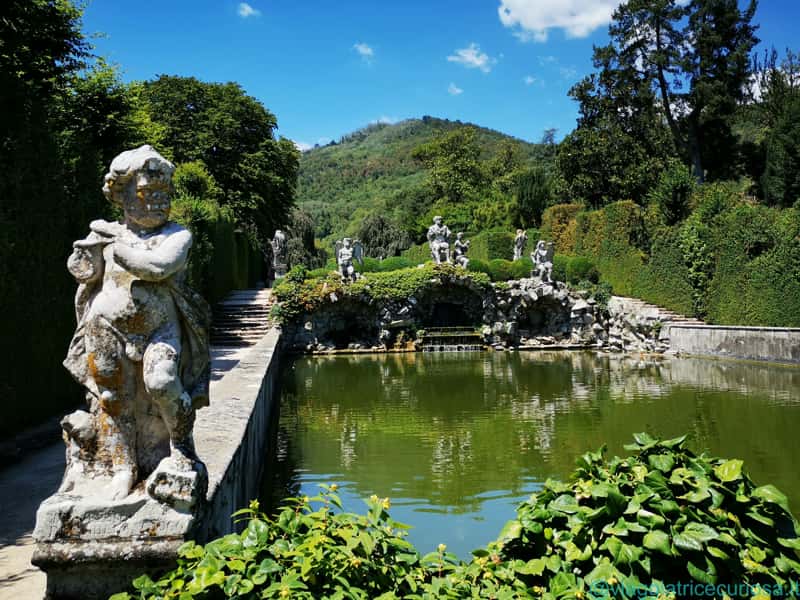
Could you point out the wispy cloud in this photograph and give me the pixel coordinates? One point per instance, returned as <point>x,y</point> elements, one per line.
<point>529,79</point>
<point>302,146</point>
<point>568,73</point>
<point>365,51</point>
<point>472,58</point>
<point>454,90</point>
<point>246,11</point>
<point>533,19</point>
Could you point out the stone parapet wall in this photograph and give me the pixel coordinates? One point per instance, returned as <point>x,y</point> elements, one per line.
<point>774,344</point>
<point>232,435</point>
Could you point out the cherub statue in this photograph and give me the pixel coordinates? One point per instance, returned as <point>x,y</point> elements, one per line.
<point>278,244</point>
<point>519,244</point>
<point>348,250</point>
<point>141,345</point>
<point>460,248</point>
<point>439,240</point>
<point>542,259</point>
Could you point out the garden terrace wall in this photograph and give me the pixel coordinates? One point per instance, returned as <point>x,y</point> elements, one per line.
<point>774,344</point>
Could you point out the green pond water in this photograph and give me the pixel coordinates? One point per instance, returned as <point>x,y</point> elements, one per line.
<point>458,440</point>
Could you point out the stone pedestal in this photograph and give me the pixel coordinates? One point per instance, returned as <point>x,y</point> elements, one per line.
<point>92,549</point>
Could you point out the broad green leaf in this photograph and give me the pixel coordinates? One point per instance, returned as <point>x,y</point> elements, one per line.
<point>701,532</point>
<point>793,543</point>
<point>730,470</point>
<point>769,493</point>
<point>674,442</point>
<point>763,519</point>
<point>687,543</point>
<point>565,504</point>
<point>532,567</point>
<point>662,462</point>
<point>659,541</point>
<point>621,552</point>
<point>700,574</point>
<point>717,553</point>
<point>644,440</point>
<point>511,530</point>
<point>649,519</point>
<point>696,496</point>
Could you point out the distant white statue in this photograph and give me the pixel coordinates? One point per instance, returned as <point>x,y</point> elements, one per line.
<point>542,259</point>
<point>519,244</point>
<point>460,248</point>
<point>439,241</point>
<point>347,251</point>
<point>279,252</point>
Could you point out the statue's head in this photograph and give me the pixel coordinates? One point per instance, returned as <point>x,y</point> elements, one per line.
<point>540,245</point>
<point>459,235</point>
<point>438,220</point>
<point>347,242</point>
<point>520,232</point>
<point>140,181</point>
<point>279,235</point>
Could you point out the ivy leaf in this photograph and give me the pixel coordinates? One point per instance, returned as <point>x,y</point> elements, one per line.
<point>659,541</point>
<point>623,554</point>
<point>702,575</point>
<point>661,462</point>
<point>649,519</point>
<point>769,493</point>
<point>729,471</point>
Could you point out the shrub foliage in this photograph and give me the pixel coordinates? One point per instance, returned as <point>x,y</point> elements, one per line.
<point>641,526</point>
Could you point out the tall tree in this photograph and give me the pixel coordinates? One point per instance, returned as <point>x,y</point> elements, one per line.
<point>233,135</point>
<point>453,159</point>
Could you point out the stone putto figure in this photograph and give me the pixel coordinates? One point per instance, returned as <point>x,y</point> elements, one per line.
<point>347,251</point>
<point>141,345</point>
<point>439,241</point>
<point>460,248</point>
<point>542,259</point>
<point>519,244</point>
<point>279,251</point>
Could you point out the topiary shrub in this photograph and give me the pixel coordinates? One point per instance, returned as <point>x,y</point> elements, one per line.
<point>500,269</point>
<point>581,268</point>
<point>558,226</point>
<point>560,267</point>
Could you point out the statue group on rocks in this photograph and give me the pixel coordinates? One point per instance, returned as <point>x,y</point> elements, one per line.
<point>439,241</point>
<point>542,258</point>
<point>347,251</point>
<point>141,347</point>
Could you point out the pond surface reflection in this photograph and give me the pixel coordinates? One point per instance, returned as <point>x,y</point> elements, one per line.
<point>458,440</point>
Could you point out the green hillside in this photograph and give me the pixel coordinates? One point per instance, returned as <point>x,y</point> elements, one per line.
<point>372,171</point>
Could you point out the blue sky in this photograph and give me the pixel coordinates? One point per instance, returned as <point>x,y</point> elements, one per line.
<point>326,68</point>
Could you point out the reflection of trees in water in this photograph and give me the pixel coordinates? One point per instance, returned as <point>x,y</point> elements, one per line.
<point>449,427</point>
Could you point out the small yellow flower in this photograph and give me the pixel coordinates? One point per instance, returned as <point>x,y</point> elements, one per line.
<point>386,503</point>
<point>442,548</point>
<point>285,592</point>
<point>612,581</point>
<point>374,498</point>
<point>334,487</point>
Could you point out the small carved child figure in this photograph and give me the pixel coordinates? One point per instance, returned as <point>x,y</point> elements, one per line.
<point>439,241</point>
<point>460,248</point>
<point>141,345</point>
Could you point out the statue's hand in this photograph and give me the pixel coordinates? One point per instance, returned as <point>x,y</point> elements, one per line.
<point>104,228</point>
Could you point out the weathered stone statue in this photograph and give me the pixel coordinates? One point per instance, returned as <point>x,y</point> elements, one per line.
<point>460,248</point>
<point>279,251</point>
<point>346,252</point>
<point>542,259</point>
<point>519,244</point>
<point>141,345</point>
<point>439,241</point>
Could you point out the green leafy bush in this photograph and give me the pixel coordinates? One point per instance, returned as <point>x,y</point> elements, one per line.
<point>580,268</point>
<point>560,263</point>
<point>626,528</point>
<point>660,517</point>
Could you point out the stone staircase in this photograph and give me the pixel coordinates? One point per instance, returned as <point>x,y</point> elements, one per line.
<point>656,312</point>
<point>242,318</point>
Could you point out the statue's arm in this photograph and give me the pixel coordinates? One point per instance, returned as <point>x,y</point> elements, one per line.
<point>158,263</point>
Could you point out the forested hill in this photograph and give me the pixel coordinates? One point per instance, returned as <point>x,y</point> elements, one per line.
<point>372,170</point>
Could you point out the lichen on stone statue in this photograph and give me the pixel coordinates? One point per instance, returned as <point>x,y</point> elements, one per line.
<point>140,348</point>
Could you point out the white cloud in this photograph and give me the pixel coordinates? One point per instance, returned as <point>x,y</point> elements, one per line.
<point>365,51</point>
<point>302,146</point>
<point>533,19</point>
<point>454,90</point>
<point>245,11</point>
<point>472,58</point>
<point>529,79</point>
<point>568,73</point>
